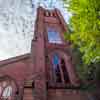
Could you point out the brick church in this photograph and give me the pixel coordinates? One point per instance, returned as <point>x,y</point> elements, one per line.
<point>48,71</point>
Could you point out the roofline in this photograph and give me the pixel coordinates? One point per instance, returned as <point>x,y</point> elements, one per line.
<point>14,59</point>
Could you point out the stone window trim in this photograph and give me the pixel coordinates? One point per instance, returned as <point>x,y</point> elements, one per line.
<point>53,83</point>
<point>59,69</point>
<point>74,81</point>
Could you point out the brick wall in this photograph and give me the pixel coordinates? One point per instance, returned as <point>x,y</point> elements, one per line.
<point>65,94</point>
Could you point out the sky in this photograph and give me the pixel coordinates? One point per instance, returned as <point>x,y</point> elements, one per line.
<point>17,19</point>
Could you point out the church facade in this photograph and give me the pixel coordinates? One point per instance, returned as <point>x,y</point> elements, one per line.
<point>48,71</point>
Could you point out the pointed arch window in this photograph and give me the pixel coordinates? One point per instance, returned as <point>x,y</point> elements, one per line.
<point>60,74</point>
<point>7,89</point>
<point>64,70</point>
<point>56,68</point>
<point>7,92</point>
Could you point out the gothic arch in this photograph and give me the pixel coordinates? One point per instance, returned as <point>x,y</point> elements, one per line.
<point>68,63</point>
<point>8,88</point>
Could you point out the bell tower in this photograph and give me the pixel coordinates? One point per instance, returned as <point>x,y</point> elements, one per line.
<point>51,54</point>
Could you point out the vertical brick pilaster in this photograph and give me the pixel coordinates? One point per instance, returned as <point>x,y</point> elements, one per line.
<point>40,90</point>
<point>21,92</point>
<point>39,67</point>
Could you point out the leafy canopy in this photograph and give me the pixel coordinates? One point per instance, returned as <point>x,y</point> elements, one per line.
<point>85,22</point>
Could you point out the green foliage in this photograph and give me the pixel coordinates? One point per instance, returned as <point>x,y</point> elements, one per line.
<point>89,73</point>
<point>88,87</point>
<point>86,72</point>
<point>85,22</point>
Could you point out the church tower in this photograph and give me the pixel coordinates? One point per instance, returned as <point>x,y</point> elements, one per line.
<point>54,72</point>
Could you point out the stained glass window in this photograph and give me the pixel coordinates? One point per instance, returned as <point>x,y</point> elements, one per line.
<point>60,70</point>
<point>56,68</point>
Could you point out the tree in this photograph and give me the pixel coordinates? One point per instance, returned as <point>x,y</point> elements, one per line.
<point>85,22</point>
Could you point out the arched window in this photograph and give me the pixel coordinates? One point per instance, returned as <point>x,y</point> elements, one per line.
<point>56,68</point>
<point>7,92</point>
<point>54,36</point>
<point>7,89</point>
<point>64,70</point>
<point>59,69</point>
